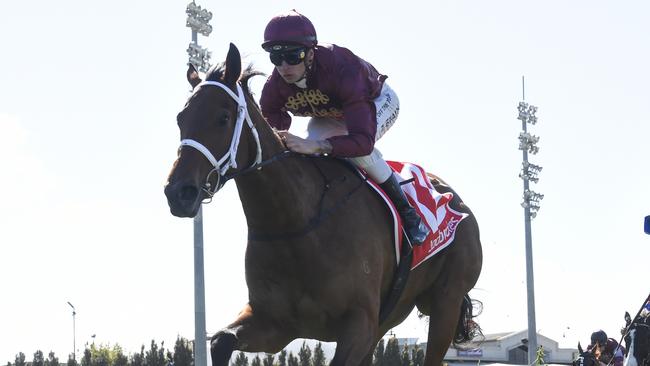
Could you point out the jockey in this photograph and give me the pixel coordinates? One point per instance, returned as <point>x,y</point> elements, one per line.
<point>610,350</point>
<point>347,99</point>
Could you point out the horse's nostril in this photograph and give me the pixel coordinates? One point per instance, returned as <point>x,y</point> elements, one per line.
<point>188,193</point>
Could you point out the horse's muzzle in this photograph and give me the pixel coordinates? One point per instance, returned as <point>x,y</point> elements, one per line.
<point>184,199</point>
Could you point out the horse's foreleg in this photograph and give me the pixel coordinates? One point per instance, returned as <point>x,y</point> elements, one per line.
<point>249,333</point>
<point>356,339</point>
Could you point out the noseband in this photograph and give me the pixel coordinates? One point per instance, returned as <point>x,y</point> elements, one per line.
<point>228,160</point>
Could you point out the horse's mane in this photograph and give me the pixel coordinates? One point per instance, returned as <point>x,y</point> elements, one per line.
<point>216,74</point>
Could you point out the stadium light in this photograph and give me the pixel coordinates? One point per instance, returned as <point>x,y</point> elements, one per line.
<point>527,113</point>
<point>528,142</point>
<point>198,20</point>
<point>199,57</point>
<point>530,171</point>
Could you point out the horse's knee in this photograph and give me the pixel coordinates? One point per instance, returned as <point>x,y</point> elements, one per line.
<point>222,344</point>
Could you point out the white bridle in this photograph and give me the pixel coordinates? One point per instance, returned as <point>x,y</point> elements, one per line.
<point>228,160</point>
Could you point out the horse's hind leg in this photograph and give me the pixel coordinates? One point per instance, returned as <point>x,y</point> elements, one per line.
<point>355,342</point>
<point>444,313</point>
<point>248,333</point>
<point>445,302</point>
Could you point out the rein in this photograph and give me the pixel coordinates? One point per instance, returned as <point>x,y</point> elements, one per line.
<point>257,166</point>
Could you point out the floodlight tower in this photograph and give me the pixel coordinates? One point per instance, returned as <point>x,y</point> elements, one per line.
<point>197,20</point>
<point>529,173</point>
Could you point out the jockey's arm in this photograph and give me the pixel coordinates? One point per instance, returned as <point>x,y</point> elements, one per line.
<point>273,109</point>
<point>361,126</point>
<point>359,115</point>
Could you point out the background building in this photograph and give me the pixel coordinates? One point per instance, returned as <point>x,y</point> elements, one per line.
<point>509,348</point>
<point>502,348</point>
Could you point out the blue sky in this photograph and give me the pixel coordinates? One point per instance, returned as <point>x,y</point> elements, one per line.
<point>88,99</point>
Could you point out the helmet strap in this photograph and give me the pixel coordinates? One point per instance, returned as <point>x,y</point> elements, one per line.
<point>302,82</point>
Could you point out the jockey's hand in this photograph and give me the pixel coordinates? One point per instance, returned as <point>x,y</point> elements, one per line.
<point>304,146</point>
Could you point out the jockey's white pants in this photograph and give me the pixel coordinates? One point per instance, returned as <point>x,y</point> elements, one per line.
<point>387,107</point>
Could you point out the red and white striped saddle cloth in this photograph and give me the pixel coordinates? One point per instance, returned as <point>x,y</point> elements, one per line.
<point>432,206</point>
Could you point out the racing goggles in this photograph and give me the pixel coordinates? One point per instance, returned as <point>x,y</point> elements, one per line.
<point>292,57</point>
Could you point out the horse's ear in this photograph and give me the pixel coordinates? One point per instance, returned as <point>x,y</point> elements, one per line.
<point>233,66</point>
<point>628,319</point>
<point>193,76</point>
<point>580,348</point>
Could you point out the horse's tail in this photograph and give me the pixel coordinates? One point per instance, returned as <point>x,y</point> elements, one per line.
<point>467,329</point>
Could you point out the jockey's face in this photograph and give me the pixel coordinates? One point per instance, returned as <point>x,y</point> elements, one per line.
<point>293,73</point>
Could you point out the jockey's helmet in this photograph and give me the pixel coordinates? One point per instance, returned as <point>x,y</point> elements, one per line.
<point>599,337</point>
<point>288,31</point>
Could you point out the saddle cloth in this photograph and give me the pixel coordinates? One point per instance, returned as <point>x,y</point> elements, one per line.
<point>432,206</point>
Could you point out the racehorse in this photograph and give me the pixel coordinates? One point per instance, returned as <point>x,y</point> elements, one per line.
<point>586,358</point>
<point>637,341</point>
<point>320,256</point>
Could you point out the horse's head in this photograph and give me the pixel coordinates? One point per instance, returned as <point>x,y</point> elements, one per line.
<point>637,342</point>
<point>210,126</point>
<point>586,358</point>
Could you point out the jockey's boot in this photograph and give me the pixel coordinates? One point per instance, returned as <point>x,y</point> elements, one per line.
<point>416,230</point>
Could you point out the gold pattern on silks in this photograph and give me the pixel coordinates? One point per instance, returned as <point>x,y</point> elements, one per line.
<point>313,99</point>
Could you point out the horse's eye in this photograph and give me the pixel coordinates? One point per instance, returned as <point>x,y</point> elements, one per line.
<point>223,119</point>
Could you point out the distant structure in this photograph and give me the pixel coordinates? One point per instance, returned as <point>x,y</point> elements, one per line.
<point>501,348</point>
<point>198,20</point>
<point>509,348</point>
<point>529,172</point>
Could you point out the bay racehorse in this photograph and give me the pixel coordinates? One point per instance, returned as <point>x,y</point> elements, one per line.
<point>320,255</point>
<point>637,341</point>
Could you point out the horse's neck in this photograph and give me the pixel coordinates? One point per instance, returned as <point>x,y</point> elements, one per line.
<point>276,196</point>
